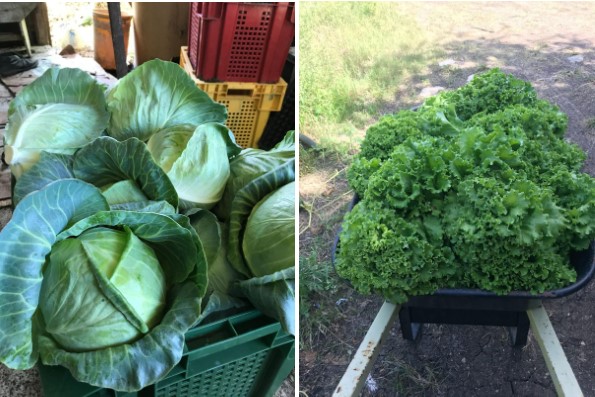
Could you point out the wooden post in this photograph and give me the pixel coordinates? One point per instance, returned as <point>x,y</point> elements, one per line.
<point>39,25</point>
<point>115,20</point>
<point>25,33</point>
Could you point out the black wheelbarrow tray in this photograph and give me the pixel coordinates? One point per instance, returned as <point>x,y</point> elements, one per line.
<point>479,307</point>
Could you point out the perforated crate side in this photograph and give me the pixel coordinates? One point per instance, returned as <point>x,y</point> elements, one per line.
<point>57,381</point>
<point>246,123</point>
<point>240,41</point>
<point>245,355</point>
<point>234,379</point>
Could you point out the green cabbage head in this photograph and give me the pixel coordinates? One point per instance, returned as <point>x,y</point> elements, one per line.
<point>101,289</point>
<point>108,294</point>
<point>195,160</point>
<point>269,238</point>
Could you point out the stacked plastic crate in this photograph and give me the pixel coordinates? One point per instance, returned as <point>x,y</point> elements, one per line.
<point>236,53</point>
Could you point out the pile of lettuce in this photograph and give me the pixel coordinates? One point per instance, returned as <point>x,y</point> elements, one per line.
<point>475,189</point>
<point>136,213</point>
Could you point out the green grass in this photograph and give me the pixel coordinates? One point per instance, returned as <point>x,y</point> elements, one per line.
<point>318,282</point>
<point>353,59</point>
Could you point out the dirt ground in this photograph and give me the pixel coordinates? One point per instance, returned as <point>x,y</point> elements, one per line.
<point>534,41</point>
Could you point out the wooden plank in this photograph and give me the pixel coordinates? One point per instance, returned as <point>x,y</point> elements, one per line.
<point>555,359</point>
<point>354,378</point>
<point>5,195</point>
<point>4,103</point>
<point>5,178</point>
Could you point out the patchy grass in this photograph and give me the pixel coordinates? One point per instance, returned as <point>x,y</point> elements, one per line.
<point>323,196</point>
<point>353,59</point>
<point>318,283</point>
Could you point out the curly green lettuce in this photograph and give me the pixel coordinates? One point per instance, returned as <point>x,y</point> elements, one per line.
<point>478,188</point>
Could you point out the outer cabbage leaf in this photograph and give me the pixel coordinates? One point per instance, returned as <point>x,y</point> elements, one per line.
<point>214,238</point>
<point>274,295</point>
<point>50,167</point>
<point>155,96</point>
<point>209,232</point>
<point>123,192</point>
<point>59,112</point>
<point>24,244</point>
<point>160,207</point>
<point>217,302</point>
<point>106,161</point>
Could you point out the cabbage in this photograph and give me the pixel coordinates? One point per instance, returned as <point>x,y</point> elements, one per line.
<point>248,165</point>
<point>72,299</point>
<point>269,238</point>
<point>271,287</point>
<point>195,160</point>
<point>98,291</point>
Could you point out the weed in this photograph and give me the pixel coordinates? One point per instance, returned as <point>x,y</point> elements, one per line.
<point>318,283</point>
<point>316,276</point>
<point>410,381</point>
<point>590,123</point>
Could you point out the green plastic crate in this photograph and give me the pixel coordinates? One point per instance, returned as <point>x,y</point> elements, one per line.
<point>245,354</point>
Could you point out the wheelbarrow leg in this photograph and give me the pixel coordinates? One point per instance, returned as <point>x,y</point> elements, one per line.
<point>519,334</point>
<point>410,330</point>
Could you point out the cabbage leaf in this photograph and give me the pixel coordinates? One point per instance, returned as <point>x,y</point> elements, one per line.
<point>59,112</point>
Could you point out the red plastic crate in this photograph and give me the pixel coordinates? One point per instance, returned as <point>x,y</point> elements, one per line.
<point>241,42</point>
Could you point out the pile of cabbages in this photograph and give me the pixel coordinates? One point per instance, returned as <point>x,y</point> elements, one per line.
<point>136,214</point>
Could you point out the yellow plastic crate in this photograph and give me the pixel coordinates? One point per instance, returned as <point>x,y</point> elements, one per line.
<point>248,104</point>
